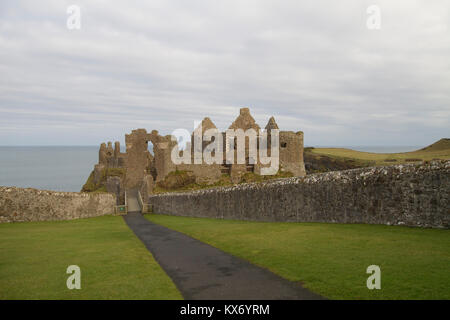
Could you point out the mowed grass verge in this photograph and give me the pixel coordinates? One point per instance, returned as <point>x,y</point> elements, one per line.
<point>114,264</point>
<point>331,259</point>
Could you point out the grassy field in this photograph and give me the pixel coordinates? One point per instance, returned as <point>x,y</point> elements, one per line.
<point>331,259</point>
<point>438,150</point>
<point>114,264</point>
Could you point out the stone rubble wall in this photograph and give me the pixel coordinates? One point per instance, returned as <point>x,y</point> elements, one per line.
<point>19,204</point>
<point>410,194</point>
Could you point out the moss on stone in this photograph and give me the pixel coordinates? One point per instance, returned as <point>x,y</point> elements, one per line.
<point>224,181</point>
<point>91,186</point>
<point>115,172</point>
<point>253,177</point>
<point>177,179</point>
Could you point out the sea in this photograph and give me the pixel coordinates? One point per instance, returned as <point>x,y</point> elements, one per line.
<point>66,168</point>
<point>58,168</point>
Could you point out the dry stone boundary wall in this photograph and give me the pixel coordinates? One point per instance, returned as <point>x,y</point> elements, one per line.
<point>19,204</point>
<point>411,194</point>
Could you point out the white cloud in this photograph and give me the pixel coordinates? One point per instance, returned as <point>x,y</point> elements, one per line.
<point>163,64</point>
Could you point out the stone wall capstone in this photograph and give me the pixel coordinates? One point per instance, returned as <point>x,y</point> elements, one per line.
<point>27,204</point>
<point>410,194</point>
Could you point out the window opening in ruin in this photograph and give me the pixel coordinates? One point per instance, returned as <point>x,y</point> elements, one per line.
<point>150,147</point>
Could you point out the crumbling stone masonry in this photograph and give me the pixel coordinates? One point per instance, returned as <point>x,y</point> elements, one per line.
<point>19,204</point>
<point>143,169</point>
<point>411,195</point>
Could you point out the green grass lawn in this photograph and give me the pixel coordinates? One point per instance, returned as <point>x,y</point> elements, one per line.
<point>331,259</point>
<point>114,264</point>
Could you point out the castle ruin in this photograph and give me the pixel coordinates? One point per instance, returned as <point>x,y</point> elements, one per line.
<point>138,168</point>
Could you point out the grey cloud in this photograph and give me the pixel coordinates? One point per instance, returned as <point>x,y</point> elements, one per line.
<point>163,64</point>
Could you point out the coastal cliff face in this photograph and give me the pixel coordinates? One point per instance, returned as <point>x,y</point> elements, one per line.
<point>411,194</point>
<point>19,204</point>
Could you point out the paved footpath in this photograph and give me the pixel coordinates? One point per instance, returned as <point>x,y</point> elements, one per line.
<point>201,271</point>
<point>132,202</point>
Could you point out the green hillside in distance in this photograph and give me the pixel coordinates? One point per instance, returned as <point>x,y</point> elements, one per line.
<point>443,144</point>
<point>329,159</point>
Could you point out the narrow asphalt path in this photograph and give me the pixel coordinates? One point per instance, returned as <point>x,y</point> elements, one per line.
<point>201,271</point>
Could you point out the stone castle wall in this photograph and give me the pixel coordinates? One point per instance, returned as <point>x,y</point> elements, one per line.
<point>412,195</point>
<point>137,162</point>
<point>18,204</point>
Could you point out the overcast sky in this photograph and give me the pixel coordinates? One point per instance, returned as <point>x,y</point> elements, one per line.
<point>314,65</point>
